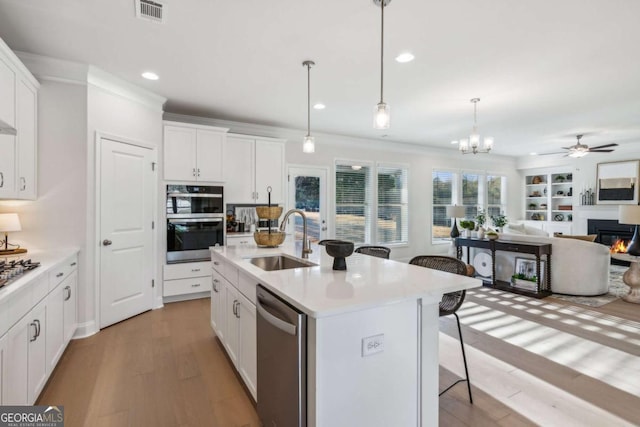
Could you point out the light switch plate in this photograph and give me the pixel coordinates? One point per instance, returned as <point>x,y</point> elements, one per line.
<point>372,345</point>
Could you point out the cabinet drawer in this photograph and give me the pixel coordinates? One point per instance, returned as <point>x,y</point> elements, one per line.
<point>61,271</point>
<point>244,241</point>
<point>186,286</point>
<point>39,289</point>
<point>187,270</point>
<point>247,286</point>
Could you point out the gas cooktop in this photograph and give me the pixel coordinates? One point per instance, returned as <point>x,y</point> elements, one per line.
<point>11,270</point>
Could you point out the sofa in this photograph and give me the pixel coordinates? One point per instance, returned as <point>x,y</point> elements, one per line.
<point>578,267</point>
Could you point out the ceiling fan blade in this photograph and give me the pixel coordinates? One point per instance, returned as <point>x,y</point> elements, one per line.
<point>547,154</point>
<point>600,151</point>
<point>567,148</point>
<point>603,146</point>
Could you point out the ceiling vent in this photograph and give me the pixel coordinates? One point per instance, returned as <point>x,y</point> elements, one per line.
<point>150,10</point>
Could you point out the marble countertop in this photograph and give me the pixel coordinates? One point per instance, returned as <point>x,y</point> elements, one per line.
<point>47,258</point>
<point>320,291</point>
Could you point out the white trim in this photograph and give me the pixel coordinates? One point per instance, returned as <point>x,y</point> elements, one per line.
<point>85,330</point>
<point>17,63</point>
<point>99,136</point>
<point>194,126</point>
<point>100,78</point>
<point>48,68</point>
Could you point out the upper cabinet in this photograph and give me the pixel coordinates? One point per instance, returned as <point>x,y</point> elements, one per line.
<point>18,128</point>
<point>193,152</point>
<point>254,164</point>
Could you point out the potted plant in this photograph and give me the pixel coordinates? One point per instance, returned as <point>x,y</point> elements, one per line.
<point>481,220</point>
<point>467,226</point>
<point>499,221</point>
<point>532,206</point>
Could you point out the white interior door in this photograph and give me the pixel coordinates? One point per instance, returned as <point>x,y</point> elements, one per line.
<point>308,192</point>
<point>126,236</point>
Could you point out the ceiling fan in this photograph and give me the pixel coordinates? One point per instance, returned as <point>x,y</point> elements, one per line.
<point>581,150</point>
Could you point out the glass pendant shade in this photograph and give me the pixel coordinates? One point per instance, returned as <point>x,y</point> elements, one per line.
<point>464,145</point>
<point>309,144</point>
<point>381,116</point>
<point>474,140</point>
<point>488,143</point>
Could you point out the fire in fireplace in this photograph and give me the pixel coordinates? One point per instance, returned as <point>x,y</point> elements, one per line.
<point>609,232</point>
<point>619,246</point>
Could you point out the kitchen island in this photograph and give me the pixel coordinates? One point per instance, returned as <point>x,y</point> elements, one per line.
<point>389,304</point>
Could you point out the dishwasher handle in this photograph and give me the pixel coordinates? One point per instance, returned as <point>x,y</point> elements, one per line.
<point>273,320</point>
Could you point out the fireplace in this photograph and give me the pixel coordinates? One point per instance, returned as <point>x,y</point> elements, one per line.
<point>608,231</point>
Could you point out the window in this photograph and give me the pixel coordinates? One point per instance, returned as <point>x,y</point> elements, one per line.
<point>364,190</point>
<point>473,190</point>
<point>393,212</point>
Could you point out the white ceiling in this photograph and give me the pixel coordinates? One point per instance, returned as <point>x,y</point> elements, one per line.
<point>544,70</point>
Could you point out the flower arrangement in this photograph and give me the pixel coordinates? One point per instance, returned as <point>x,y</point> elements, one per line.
<point>481,218</point>
<point>499,220</point>
<point>467,224</point>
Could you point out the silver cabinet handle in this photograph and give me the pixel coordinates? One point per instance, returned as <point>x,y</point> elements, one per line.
<point>278,323</point>
<point>215,289</point>
<point>234,307</point>
<point>195,285</point>
<point>68,289</point>
<point>59,274</point>
<point>37,327</point>
<point>237,311</point>
<point>1,180</point>
<point>195,270</point>
<point>35,332</point>
<point>73,264</point>
<point>193,171</point>
<point>198,171</point>
<point>216,263</point>
<point>24,183</point>
<point>106,242</point>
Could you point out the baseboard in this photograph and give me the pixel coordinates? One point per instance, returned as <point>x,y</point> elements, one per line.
<point>186,297</point>
<point>85,330</point>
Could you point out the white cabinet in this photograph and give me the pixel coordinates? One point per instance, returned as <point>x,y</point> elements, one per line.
<point>7,89</point>
<point>25,367</point>
<point>254,164</point>
<point>7,166</point>
<point>70,299</point>
<point>549,201</point>
<point>18,109</point>
<point>186,278</point>
<point>62,321</point>
<point>193,153</point>
<point>3,355</point>
<point>233,314</point>
<point>27,119</point>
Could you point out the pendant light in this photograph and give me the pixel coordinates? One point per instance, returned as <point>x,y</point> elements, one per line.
<point>309,145</point>
<point>381,112</point>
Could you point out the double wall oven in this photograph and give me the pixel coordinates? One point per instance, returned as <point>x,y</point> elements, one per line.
<point>195,221</point>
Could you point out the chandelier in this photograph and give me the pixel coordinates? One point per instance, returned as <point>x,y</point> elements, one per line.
<point>472,144</point>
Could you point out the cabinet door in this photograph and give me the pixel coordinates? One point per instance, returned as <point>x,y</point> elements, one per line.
<point>239,167</point>
<point>16,363</point>
<point>70,299</point>
<point>55,326</point>
<point>7,166</point>
<point>218,306</point>
<point>269,171</point>
<point>38,354</point>
<point>179,153</point>
<point>210,152</point>
<point>26,141</point>
<point>8,91</point>
<point>231,322</point>
<point>247,352</point>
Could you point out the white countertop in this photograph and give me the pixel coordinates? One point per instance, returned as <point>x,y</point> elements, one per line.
<point>320,291</point>
<point>47,259</point>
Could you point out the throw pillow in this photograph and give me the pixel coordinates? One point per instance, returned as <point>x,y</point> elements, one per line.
<point>587,238</point>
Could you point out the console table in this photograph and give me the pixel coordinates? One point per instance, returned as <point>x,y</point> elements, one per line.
<point>536,249</point>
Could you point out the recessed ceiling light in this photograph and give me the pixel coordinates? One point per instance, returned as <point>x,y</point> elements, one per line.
<point>533,154</point>
<point>405,57</point>
<point>319,106</point>
<point>150,76</point>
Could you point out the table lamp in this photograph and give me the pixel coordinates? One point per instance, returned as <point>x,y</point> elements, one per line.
<point>630,214</point>
<point>455,212</point>
<point>10,222</point>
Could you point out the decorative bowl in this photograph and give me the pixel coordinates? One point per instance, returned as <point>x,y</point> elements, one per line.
<point>269,240</point>
<point>339,250</point>
<point>492,236</point>
<point>269,212</point>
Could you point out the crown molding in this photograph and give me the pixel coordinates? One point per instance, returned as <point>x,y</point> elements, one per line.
<point>106,81</point>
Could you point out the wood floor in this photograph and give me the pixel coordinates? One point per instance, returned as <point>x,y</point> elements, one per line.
<point>166,368</point>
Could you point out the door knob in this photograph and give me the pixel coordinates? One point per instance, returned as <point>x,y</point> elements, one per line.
<point>106,242</point>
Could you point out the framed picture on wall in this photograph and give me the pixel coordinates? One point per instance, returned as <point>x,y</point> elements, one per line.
<point>617,183</point>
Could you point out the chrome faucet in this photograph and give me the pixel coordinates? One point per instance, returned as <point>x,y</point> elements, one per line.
<point>306,250</point>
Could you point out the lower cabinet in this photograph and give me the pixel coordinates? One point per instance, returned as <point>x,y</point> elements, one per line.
<point>25,364</point>
<point>3,356</point>
<point>233,318</point>
<point>186,278</point>
<point>61,318</point>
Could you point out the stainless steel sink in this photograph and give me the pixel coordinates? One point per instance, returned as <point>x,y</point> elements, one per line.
<point>279,262</point>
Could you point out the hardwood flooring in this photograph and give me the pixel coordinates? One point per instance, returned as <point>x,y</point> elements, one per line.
<point>166,368</point>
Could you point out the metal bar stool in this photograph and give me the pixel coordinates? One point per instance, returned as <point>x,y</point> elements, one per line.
<point>450,302</point>
<point>376,251</point>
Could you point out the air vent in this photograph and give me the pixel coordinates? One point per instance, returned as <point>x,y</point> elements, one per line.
<point>150,10</point>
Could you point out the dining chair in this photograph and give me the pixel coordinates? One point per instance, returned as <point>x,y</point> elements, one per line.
<point>376,251</point>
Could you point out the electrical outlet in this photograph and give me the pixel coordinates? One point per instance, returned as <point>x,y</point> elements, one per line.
<point>372,345</point>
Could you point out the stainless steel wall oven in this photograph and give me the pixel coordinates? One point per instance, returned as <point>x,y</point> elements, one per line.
<point>195,221</point>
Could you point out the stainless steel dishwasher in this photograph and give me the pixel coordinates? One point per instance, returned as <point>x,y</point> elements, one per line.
<point>282,362</point>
